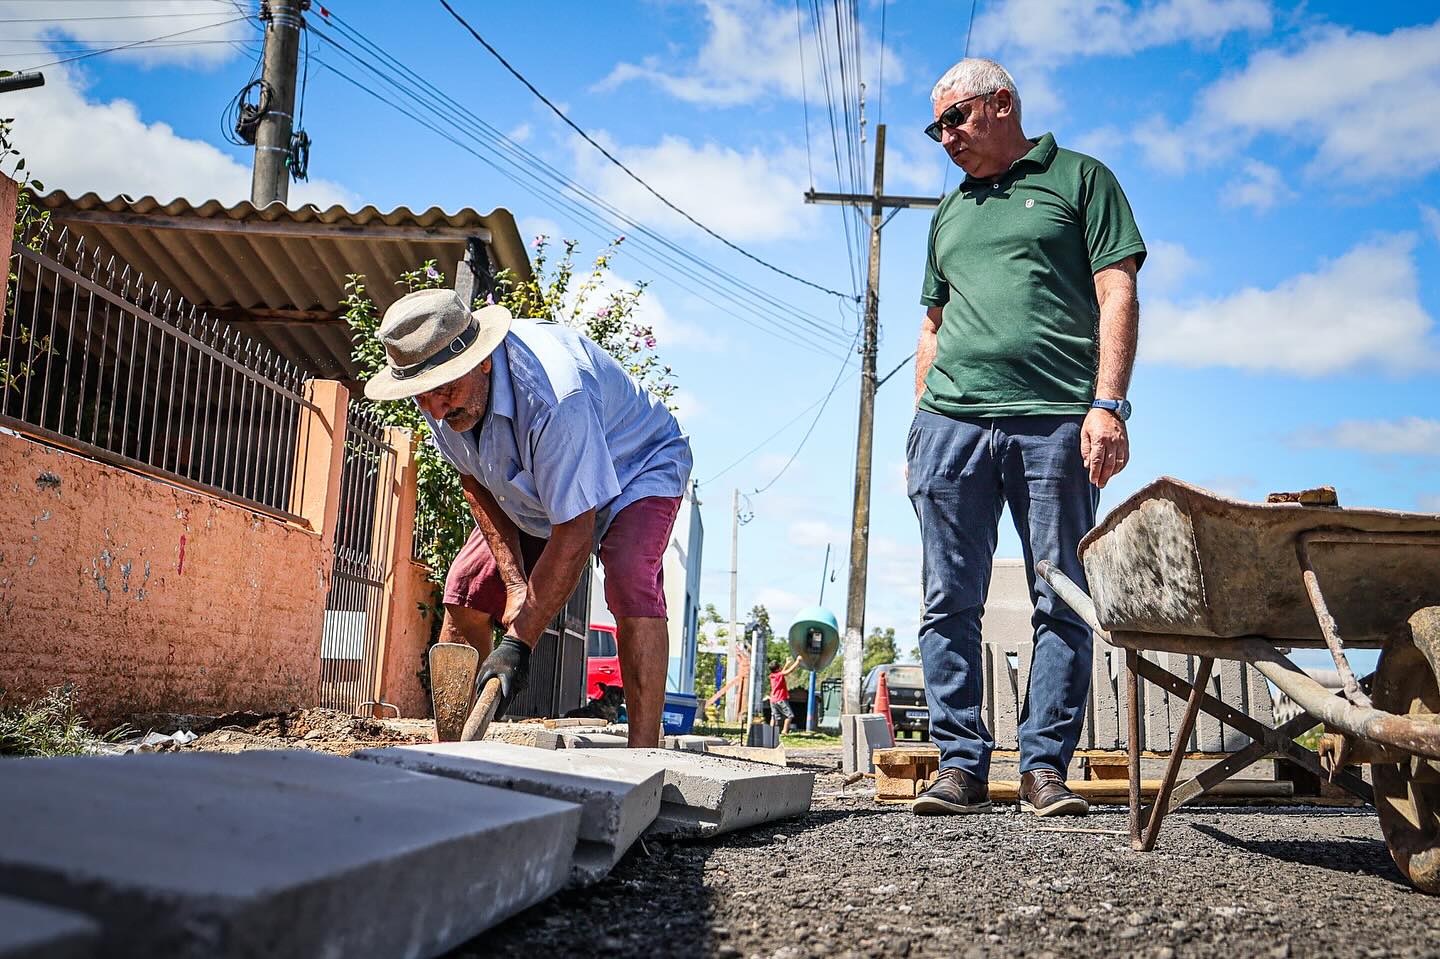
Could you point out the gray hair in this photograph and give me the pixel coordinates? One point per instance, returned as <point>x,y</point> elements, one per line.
<point>976,75</point>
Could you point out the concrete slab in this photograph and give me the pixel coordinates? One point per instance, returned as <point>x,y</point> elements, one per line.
<point>523,734</point>
<point>275,853</point>
<point>754,754</point>
<point>1232,693</point>
<point>32,931</point>
<point>571,738</point>
<point>1209,737</point>
<point>707,795</point>
<point>1006,694</point>
<point>695,744</point>
<point>1104,694</point>
<point>618,801</point>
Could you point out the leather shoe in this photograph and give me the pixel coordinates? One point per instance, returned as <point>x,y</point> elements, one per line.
<point>1043,792</point>
<point>954,792</point>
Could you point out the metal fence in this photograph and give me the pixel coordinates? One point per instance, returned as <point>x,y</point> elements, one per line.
<point>350,645</point>
<point>95,358</point>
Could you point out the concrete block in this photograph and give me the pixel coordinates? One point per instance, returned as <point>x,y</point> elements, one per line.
<point>1232,692</point>
<point>1259,704</point>
<point>1006,692</point>
<point>32,931</point>
<point>1104,694</point>
<point>1155,717</point>
<point>572,738</point>
<point>1026,659</point>
<point>707,795</point>
<point>695,744</point>
<point>1184,667</point>
<point>275,853</point>
<point>523,734</point>
<point>617,800</point>
<point>1209,737</point>
<point>860,735</point>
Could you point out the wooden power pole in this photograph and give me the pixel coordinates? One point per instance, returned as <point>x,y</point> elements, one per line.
<point>271,178</point>
<point>854,641</point>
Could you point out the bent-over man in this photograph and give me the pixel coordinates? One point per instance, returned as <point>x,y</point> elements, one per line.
<point>561,453</point>
<point>1022,368</point>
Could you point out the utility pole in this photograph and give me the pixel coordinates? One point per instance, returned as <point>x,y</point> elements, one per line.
<point>854,641</point>
<point>732,699</point>
<point>271,178</point>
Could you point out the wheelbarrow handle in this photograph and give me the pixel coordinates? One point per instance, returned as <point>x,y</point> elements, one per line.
<point>1074,597</point>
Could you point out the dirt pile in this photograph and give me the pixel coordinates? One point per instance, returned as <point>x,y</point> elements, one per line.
<point>323,730</point>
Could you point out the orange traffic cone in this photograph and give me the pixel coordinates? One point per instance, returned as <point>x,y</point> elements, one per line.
<point>882,704</point>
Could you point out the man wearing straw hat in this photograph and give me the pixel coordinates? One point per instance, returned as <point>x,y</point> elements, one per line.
<point>561,454</point>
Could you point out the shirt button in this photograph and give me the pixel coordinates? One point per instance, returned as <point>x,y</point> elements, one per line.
<point>997,186</point>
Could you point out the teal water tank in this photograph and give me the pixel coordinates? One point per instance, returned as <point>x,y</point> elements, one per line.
<point>815,637</point>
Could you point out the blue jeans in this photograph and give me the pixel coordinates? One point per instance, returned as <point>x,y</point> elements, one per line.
<point>962,472</point>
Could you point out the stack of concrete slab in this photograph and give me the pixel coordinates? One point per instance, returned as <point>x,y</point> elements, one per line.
<point>275,853</point>
<point>589,738</point>
<point>29,931</point>
<point>523,734</point>
<point>618,800</point>
<point>708,795</point>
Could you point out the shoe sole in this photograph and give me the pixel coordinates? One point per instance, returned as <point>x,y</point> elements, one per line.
<point>1075,806</point>
<point>930,806</point>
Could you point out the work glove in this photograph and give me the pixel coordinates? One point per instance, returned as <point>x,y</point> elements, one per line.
<point>510,663</point>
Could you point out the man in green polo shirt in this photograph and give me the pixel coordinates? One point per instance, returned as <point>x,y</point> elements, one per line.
<point>1021,372</point>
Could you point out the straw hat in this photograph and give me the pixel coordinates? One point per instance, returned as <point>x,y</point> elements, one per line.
<point>430,339</point>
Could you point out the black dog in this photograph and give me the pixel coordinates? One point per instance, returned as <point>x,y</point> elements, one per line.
<point>606,706</point>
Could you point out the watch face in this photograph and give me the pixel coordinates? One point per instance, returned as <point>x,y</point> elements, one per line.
<point>1123,410</point>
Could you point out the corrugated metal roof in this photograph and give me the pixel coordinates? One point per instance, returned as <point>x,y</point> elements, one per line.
<point>278,273</point>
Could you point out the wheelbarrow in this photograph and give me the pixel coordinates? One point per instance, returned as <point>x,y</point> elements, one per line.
<point>1179,569</point>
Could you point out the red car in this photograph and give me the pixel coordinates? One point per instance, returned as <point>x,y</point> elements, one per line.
<point>602,660</point>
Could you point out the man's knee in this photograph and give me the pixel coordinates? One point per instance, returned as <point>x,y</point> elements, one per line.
<point>466,625</point>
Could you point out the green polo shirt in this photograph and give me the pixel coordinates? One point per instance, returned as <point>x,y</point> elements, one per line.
<point>1012,261</point>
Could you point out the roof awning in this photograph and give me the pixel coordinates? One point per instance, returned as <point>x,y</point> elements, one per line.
<point>278,274</point>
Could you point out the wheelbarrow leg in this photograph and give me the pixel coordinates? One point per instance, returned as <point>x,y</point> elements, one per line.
<point>1132,707</point>
<point>1177,753</point>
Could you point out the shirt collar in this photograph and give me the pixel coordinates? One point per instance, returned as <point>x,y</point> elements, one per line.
<point>1039,156</point>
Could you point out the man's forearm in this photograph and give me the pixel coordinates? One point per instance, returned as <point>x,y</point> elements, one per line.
<point>1119,329</point>
<point>925,350</point>
<point>501,533</point>
<point>555,575</point>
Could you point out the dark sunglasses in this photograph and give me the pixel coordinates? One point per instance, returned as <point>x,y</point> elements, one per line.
<point>951,118</point>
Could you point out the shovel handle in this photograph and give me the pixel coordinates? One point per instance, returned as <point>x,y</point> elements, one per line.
<point>482,712</point>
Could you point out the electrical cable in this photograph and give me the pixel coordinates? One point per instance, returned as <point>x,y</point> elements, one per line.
<point>130,45</point>
<point>804,94</point>
<point>806,438</point>
<point>970,26</point>
<point>531,162</point>
<point>634,176</point>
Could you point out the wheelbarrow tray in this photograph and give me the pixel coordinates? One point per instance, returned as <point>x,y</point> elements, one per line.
<point>1177,559</point>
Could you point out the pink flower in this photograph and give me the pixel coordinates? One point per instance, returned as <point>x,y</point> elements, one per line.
<point>650,342</point>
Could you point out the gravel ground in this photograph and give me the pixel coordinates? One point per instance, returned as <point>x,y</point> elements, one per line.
<point>856,879</point>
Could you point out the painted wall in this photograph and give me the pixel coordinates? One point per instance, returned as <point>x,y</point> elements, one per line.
<point>408,640</point>
<point>148,597</point>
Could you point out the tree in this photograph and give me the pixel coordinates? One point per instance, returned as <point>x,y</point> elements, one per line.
<point>879,649</point>
<point>712,629</point>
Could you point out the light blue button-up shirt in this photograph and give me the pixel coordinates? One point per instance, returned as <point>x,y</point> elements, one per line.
<point>566,430</point>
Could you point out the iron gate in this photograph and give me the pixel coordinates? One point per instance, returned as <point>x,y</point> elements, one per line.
<point>350,643</point>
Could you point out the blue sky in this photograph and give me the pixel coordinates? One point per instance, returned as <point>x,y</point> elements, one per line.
<point>1283,162</point>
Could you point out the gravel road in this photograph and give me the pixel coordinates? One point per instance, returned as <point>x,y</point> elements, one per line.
<point>856,879</point>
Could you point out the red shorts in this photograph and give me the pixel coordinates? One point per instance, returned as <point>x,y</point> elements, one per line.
<point>632,552</point>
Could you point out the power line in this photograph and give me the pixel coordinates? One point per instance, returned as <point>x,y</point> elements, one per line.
<point>524,175</point>
<point>631,173</point>
<point>804,93</point>
<point>970,26</point>
<point>132,44</point>
<point>806,438</point>
<point>781,312</point>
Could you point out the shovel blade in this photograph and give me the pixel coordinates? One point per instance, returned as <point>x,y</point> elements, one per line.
<point>453,667</point>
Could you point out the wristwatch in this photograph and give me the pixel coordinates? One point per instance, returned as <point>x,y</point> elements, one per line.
<point>1121,408</point>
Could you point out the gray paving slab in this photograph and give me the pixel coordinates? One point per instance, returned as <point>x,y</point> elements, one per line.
<point>523,734</point>
<point>694,744</point>
<point>275,853</point>
<point>706,795</point>
<point>582,738</point>
<point>1006,695</point>
<point>1025,659</point>
<point>618,801</point>
<point>29,930</point>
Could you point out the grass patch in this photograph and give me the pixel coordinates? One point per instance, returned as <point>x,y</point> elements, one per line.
<point>809,739</point>
<point>50,726</point>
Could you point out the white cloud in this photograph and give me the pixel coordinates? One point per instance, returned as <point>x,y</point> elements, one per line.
<point>751,51</point>
<point>75,144</point>
<point>1410,435</point>
<point>687,406</point>
<point>1344,92</point>
<point>814,533</point>
<point>1167,267</point>
<point>1431,216</point>
<point>1054,30</point>
<point>744,196</point>
<point>586,295</point>
<point>1360,310</point>
<point>1259,186</point>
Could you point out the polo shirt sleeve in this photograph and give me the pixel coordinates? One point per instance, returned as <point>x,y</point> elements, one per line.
<point>573,468</point>
<point>935,291</point>
<point>1111,233</point>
